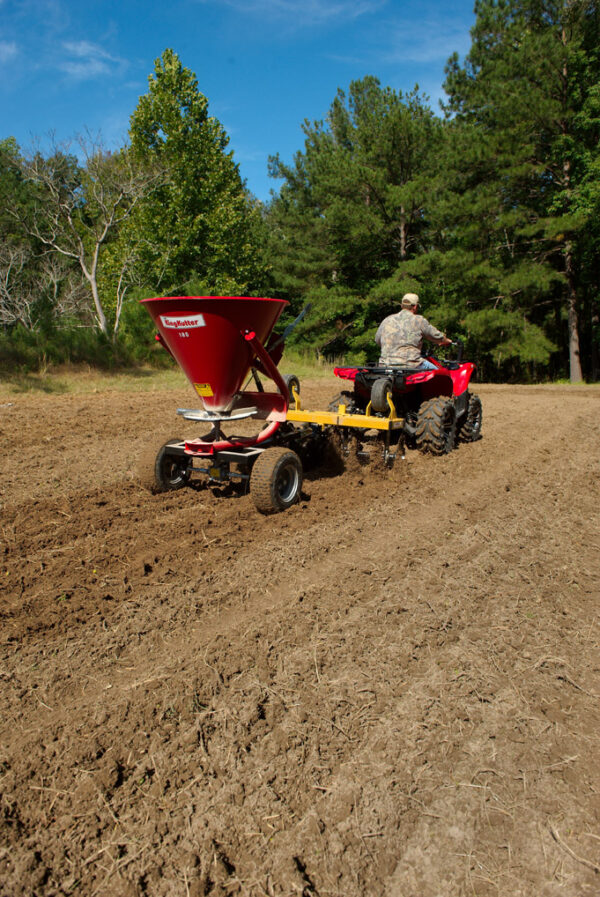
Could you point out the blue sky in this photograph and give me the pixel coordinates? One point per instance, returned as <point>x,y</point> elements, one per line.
<point>264,65</point>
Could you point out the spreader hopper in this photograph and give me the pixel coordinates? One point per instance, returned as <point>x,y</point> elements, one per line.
<point>215,339</point>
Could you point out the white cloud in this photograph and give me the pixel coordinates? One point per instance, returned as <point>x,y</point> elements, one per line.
<point>355,60</point>
<point>427,41</point>
<point>244,154</point>
<point>305,12</point>
<point>86,60</point>
<point>8,50</point>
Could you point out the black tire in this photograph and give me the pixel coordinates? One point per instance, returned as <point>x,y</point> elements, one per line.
<point>171,471</point>
<point>381,389</point>
<point>291,381</point>
<point>343,398</point>
<point>470,430</point>
<point>436,426</point>
<point>276,480</point>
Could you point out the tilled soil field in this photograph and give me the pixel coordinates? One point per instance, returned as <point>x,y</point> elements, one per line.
<point>391,689</point>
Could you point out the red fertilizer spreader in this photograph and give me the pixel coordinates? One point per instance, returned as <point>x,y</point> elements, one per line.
<point>224,344</point>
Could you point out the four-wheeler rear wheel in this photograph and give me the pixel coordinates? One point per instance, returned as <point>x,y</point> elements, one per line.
<point>436,426</point>
<point>380,391</point>
<point>276,480</point>
<point>171,471</point>
<point>470,430</point>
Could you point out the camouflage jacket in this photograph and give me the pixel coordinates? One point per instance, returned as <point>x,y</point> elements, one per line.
<point>400,338</point>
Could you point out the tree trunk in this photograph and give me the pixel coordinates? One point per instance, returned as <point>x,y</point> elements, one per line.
<point>574,357</point>
<point>100,316</point>
<point>595,361</point>
<point>93,282</point>
<point>575,374</point>
<point>402,233</point>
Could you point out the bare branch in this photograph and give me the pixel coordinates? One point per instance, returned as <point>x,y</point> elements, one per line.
<point>80,206</point>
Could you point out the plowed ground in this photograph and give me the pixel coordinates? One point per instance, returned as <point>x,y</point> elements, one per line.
<point>389,690</point>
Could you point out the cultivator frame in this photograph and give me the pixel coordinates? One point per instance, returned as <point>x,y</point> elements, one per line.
<point>342,420</point>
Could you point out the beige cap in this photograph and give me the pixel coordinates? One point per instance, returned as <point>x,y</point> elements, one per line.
<point>410,299</point>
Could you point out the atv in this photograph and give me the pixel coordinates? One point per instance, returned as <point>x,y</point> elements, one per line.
<point>436,405</point>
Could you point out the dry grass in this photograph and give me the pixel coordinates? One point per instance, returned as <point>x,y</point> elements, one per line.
<point>87,380</point>
<point>84,380</point>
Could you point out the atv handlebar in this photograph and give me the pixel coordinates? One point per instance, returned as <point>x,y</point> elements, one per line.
<point>457,344</point>
<point>460,346</point>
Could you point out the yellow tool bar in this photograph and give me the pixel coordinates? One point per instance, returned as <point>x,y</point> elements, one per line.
<point>340,418</point>
<point>334,419</point>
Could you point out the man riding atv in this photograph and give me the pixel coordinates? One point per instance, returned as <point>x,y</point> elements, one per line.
<point>400,336</point>
<point>431,396</point>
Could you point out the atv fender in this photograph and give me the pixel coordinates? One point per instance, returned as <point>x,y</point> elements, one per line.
<point>431,383</point>
<point>462,377</point>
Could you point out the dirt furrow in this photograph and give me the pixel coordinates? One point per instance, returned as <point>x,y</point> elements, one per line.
<point>389,689</point>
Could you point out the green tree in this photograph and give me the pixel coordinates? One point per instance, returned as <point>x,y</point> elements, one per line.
<point>17,299</point>
<point>13,189</point>
<point>196,224</point>
<point>525,132</point>
<point>352,208</point>
<point>36,287</point>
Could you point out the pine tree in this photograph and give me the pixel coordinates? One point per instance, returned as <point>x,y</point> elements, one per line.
<point>351,208</point>
<point>519,106</point>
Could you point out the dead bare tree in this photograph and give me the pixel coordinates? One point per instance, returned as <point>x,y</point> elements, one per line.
<point>79,207</point>
<point>66,287</point>
<point>17,302</point>
<point>128,277</point>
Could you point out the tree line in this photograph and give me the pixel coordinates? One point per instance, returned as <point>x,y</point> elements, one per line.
<point>490,211</point>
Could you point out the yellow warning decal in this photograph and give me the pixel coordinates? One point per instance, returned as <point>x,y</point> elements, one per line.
<point>203,389</point>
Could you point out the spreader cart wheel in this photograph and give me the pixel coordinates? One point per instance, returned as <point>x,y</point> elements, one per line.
<point>380,391</point>
<point>276,480</point>
<point>171,470</point>
<point>436,426</point>
<point>292,383</point>
<point>470,430</point>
